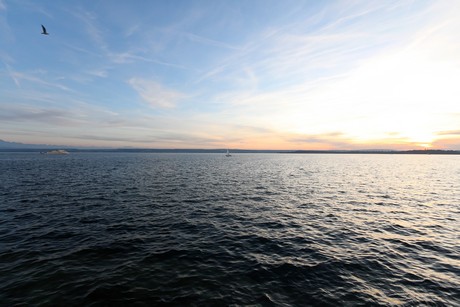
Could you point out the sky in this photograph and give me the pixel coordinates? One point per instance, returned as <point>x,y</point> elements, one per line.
<point>248,74</point>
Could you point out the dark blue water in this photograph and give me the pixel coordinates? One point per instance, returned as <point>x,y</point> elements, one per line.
<point>203,229</point>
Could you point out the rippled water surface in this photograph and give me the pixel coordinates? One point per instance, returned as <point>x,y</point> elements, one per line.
<point>203,229</point>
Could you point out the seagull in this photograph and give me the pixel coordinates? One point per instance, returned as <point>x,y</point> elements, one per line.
<point>44,31</point>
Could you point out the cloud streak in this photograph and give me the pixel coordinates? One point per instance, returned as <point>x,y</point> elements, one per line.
<point>449,133</point>
<point>18,77</point>
<point>47,116</point>
<point>89,20</point>
<point>155,94</point>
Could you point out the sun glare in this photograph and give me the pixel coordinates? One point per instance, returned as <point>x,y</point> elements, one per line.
<point>392,92</point>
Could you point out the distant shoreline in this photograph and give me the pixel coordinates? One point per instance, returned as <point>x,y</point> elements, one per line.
<point>236,151</point>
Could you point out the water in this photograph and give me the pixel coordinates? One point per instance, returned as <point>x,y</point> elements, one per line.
<point>203,229</point>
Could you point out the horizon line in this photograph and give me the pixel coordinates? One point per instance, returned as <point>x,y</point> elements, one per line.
<point>218,150</point>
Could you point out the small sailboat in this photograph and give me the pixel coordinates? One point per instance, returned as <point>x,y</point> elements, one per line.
<point>228,154</point>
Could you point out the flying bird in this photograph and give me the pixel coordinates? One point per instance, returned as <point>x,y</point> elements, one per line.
<point>44,31</point>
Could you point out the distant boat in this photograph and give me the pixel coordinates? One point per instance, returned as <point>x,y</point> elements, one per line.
<point>228,154</point>
<point>57,152</point>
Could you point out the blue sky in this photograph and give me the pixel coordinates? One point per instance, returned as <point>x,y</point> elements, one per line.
<point>231,74</point>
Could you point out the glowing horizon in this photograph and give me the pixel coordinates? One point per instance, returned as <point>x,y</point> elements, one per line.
<point>218,74</point>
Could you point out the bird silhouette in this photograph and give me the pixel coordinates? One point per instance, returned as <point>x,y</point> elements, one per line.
<point>44,31</point>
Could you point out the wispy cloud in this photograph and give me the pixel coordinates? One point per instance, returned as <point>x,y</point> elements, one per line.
<point>302,50</point>
<point>129,31</point>
<point>5,32</point>
<point>101,73</point>
<point>37,7</point>
<point>450,133</point>
<point>48,116</point>
<point>12,75</point>
<point>108,138</point>
<point>95,32</point>
<point>6,58</point>
<point>19,76</point>
<point>100,37</point>
<point>80,49</point>
<point>130,57</point>
<point>155,94</point>
<point>207,41</point>
<point>330,140</point>
<point>319,138</point>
